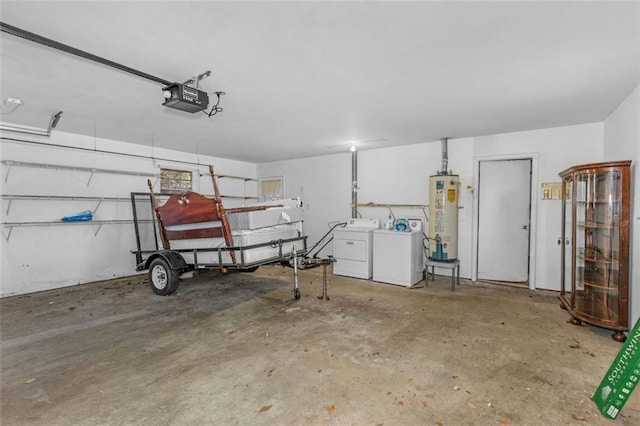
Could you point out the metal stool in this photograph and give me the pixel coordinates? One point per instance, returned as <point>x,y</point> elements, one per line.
<point>453,265</point>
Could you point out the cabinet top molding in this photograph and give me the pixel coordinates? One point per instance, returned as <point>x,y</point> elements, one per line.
<point>593,166</point>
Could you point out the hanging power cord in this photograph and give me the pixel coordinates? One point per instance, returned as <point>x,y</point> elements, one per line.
<point>320,241</point>
<point>426,238</point>
<point>323,246</point>
<point>343,224</point>
<point>391,213</point>
<point>215,108</point>
<point>425,247</point>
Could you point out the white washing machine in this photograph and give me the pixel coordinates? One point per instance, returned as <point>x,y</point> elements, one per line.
<point>353,248</point>
<point>397,257</point>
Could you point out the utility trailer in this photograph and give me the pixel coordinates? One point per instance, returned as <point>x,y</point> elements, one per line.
<point>204,230</point>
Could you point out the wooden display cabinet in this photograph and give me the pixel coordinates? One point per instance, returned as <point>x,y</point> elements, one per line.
<point>595,239</point>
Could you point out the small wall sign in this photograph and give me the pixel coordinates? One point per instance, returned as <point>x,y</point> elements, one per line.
<point>551,191</point>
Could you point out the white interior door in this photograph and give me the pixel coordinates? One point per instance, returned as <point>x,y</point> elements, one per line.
<point>504,197</point>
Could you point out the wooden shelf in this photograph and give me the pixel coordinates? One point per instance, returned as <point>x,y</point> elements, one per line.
<point>595,307</point>
<point>596,225</point>
<point>591,317</point>
<point>597,202</point>
<point>597,259</point>
<point>600,286</point>
<point>600,278</point>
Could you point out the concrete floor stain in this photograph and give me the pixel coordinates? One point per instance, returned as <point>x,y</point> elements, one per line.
<point>237,349</point>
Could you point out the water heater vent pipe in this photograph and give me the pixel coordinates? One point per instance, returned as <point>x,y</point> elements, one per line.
<point>354,182</point>
<point>445,157</point>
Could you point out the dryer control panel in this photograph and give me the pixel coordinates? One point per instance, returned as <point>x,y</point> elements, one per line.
<point>363,223</point>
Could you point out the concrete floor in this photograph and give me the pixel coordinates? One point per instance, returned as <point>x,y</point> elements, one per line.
<point>236,349</point>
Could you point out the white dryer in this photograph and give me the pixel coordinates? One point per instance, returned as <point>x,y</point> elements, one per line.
<point>353,248</point>
<point>398,257</point>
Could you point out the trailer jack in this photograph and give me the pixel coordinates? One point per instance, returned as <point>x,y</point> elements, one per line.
<point>307,263</point>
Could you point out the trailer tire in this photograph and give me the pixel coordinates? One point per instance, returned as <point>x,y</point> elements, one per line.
<point>162,279</point>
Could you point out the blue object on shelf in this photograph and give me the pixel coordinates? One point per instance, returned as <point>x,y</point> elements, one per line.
<point>79,217</point>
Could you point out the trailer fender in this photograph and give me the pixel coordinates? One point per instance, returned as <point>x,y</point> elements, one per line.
<point>173,258</point>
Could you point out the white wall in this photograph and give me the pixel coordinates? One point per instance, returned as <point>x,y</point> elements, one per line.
<point>37,258</point>
<point>400,175</point>
<point>324,185</point>
<point>622,142</point>
<point>556,149</point>
<point>43,257</point>
<point>385,176</point>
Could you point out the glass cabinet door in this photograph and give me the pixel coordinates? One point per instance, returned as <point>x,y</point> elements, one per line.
<point>567,236</point>
<point>596,241</point>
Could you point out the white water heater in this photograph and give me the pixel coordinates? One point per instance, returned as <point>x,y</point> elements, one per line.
<point>443,217</point>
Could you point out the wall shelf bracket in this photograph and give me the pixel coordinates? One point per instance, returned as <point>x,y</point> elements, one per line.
<point>7,236</point>
<point>8,207</point>
<point>98,205</point>
<point>6,177</point>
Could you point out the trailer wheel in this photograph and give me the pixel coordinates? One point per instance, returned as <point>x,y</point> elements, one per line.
<point>163,280</point>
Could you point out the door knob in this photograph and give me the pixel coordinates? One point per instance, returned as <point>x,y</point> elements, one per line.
<point>525,226</point>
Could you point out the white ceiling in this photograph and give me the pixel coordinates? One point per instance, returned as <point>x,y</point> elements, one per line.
<point>306,78</point>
